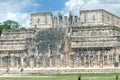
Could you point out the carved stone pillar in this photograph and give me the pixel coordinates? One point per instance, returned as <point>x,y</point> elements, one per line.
<point>65,21</point>
<point>55,23</point>
<point>32,62</point>
<point>0,62</point>
<point>60,19</point>
<point>70,18</point>
<point>9,61</point>
<point>78,22</point>
<point>75,20</point>
<point>22,58</point>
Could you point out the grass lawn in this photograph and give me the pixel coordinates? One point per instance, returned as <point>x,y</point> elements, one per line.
<point>90,76</point>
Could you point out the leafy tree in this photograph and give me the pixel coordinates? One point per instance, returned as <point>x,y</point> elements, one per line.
<point>1,28</point>
<point>11,24</point>
<point>8,24</point>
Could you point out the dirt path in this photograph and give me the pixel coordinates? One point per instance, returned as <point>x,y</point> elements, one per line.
<point>24,76</point>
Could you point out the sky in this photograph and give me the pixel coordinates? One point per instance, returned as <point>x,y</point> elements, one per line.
<point>20,10</point>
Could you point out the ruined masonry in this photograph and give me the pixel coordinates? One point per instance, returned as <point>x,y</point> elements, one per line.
<point>92,41</point>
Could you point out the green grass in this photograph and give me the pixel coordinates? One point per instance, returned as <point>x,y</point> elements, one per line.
<point>89,76</point>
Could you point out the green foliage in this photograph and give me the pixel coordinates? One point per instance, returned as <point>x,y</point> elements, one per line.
<point>9,24</point>
<point>85,76</point>
<point>116,28</point>
<point>23,28</point>
<point>1,28</point>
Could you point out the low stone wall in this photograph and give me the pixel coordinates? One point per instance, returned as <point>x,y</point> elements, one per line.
<point>58,71</point>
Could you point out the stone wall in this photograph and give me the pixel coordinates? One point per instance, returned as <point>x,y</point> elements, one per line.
<point>41,20</point>
<point>86,18</point>
<point>13,47</point>
<point>98,17</point>
<point>83,48</point>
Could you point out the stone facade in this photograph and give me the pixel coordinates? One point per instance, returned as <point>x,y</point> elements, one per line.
<point>47,20</point>
<point>98,17</point>
<point>86,18</point>
<point>95,46</point>
<point>92,41</point>
<point>13,47</point>
<point>41,20</point>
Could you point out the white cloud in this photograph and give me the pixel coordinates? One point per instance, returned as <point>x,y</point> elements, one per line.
<point>76,5</point>
<point>22,18</point>
<point>15,10</point>
<point>73,5</point>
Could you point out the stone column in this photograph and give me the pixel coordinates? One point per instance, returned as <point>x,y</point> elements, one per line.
<point>67,59</point>
<point>70,18</point>
<point>76,60</point>
<point>117,57</point>
<point>9,61</point>
<point>78,22</point>
<point>75,20</point>
<point>37,61</point>
<point>22,58</point>
<point>98,59</point>
<point>55,22</point>
<point>32,62</point>
<point>112,59</point>
<point>89,59</point>
<point>12,60</point>
<point>0,62</point>
<point>58,60</point>
<point>50,60</point>
<point>107,58</point>
<point>60,19</point>
<point>65,21</point>
<point>18,61</point>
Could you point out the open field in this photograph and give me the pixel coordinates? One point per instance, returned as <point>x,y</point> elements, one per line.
<point>90,76</point>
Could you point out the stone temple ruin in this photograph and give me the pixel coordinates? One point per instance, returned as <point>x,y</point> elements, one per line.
<point>91,41</point>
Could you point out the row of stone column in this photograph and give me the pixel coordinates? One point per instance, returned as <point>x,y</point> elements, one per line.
<point>8,61</point>
<point>84,59</point>
<point>66,20</point>
<point>100,58</point>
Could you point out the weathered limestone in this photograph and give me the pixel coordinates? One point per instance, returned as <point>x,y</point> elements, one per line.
<point>41,20</point>
<point>55,22</point>
<point>60,19</point>
<point>98,17</point>
<point>87,18</point>
<point>89,43</point>
<point>65,21</point>
<point>13,47</point>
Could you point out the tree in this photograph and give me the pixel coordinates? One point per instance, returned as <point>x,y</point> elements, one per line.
<point>8,24</point>
<point>1,28</point>
<point>11,24</point>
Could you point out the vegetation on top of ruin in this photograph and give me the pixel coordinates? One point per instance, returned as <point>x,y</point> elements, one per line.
<point>116,28</point>
<point>49,39</point>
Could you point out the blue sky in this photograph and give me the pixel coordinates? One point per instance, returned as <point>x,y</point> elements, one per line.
<point>52,5</point>
<point>20,10</point>
<point>46,5</point>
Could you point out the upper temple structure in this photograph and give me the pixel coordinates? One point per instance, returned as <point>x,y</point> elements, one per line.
<point>91,40</point>
<point>86,18</point>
